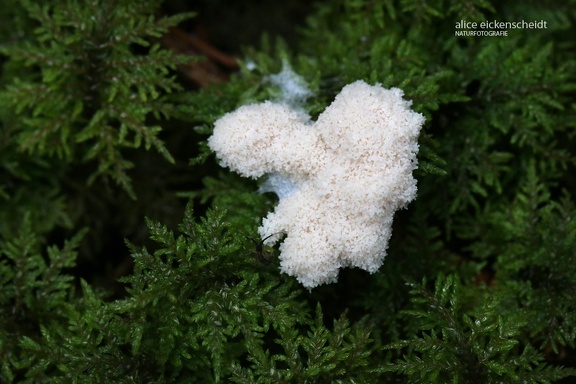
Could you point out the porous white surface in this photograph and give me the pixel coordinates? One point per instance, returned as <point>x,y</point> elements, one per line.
<point>340,179</point>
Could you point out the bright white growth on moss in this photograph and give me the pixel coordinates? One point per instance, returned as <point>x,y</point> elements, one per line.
<point>250,65</point>
<point>339,179</point>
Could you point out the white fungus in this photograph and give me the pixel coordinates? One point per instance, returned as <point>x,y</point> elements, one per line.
<point>339,179</point>
<point>250,65</point>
